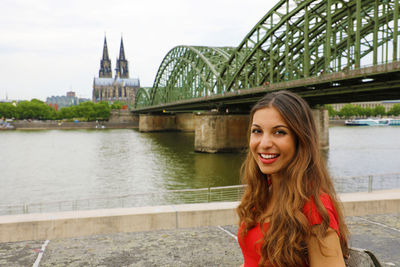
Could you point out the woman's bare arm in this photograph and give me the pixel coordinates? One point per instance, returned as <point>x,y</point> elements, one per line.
<point>327,255</point>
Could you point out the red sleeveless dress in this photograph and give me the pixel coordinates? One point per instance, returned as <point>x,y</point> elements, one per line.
<point>252,241</point>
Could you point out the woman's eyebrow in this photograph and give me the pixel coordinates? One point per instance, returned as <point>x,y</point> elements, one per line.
<point>255,125</point>
<point>280,126</point>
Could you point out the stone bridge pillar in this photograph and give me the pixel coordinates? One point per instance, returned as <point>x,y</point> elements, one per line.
<point>185,122</point>
<point>218,132</point>
<point>156,122</point>
<point>321,118</point>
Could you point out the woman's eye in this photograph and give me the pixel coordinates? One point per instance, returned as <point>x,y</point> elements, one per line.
<point>255,131</point>
<point>280,132</point>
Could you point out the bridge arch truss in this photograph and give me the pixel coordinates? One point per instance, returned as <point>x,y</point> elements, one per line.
<point>188,72</point>
<point>295,39</point>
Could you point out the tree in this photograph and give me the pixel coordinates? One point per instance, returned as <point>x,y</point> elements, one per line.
<point>66,113</point>
<point>358,110</point>
<point>117,105</point>
<point>347,111</point>
<point>395,110</point>
<point>8,110</point>
<point>86,110</point>
<point>102,110</point>
<point>379,110</point>
<point>35,109</point>
<point>331,111</point>
<point>368,112</point>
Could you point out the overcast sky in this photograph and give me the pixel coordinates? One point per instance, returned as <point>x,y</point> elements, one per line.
<point>50,47</point>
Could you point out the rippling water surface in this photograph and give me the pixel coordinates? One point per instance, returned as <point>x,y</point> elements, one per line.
<point>46,166</point>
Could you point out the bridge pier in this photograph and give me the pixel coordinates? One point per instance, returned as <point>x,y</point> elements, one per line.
<point>185,122</point>
<point>166,122</point>
<point>216,132</point>
<point>156,123</point>
<point>321,118</point>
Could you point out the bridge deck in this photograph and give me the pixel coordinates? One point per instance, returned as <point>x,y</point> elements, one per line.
<point>380,82</point>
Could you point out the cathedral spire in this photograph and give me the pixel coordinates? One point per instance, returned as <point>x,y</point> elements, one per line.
<point>122,63</point>
<point>122,51</point>
<point>105,63</point>
<point>105,50</point>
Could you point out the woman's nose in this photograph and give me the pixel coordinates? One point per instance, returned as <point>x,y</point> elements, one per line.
<point>266,141</point>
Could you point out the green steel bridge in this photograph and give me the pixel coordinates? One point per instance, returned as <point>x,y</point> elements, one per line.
<point>328,51</point>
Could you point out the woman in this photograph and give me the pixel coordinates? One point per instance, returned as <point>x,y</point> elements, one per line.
<point>289,192</point>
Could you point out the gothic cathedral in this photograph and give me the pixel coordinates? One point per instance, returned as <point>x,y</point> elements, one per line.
<point>121,87</point>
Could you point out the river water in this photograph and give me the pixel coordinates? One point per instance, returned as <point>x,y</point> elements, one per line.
<point>51,165</point>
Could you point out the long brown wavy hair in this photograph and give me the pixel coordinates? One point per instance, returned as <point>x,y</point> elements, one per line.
<point>305,177</point>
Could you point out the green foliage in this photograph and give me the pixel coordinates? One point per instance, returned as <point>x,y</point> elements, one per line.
<point>102,111</point>
<point>379,110</point>
<point>331,111</point>
<point>395,110</point>
<point>88,111</point>
<point>36,109</point>
<point>8,110</point>
<point>368,112</point>
<point>350,110</point>
<point>66,113</point>
<point>117,105</point>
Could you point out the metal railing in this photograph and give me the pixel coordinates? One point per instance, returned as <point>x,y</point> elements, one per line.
<point>367,183</point>
<point>203,195</point>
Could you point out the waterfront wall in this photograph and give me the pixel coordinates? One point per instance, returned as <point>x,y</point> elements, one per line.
<point>82,223</point>
<point>119,119</point>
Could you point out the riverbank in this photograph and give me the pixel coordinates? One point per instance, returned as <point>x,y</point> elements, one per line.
<point>118,120</point>
<point>55,125</point>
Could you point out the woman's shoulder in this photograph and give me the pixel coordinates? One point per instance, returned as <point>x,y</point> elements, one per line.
<point>325,199</point>
<point>314,216</point>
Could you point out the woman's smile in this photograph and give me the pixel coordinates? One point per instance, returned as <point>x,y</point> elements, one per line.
<point>268,158</point>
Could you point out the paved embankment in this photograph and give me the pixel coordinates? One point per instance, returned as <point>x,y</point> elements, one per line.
<point>194,237</point>
<point>200,246</point>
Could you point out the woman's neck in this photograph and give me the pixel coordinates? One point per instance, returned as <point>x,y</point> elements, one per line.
<point>275,184</point>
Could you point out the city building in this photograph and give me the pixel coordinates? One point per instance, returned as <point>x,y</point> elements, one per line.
<point>70,99</point>
<point>71,94</point>
<point>121,87</point>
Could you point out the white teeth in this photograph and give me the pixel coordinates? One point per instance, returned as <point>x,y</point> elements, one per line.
<point>269,156</point>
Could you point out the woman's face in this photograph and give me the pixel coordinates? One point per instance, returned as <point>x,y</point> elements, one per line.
<point>272,143</point>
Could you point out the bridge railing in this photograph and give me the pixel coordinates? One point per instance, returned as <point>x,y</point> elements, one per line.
<point>203,195</point>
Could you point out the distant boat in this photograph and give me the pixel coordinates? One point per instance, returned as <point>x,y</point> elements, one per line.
<point>373,122</point>
<point>6,126</point>
<point>394,122</point>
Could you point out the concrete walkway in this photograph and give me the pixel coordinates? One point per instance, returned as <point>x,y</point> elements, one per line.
<point>199,246</point>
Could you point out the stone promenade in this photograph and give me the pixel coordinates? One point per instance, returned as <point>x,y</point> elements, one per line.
<point>199,246</point>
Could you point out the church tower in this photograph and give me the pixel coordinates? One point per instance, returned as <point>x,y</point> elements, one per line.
<point>105,63</point>
<point>122,70</point>
<point>121,88</point>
